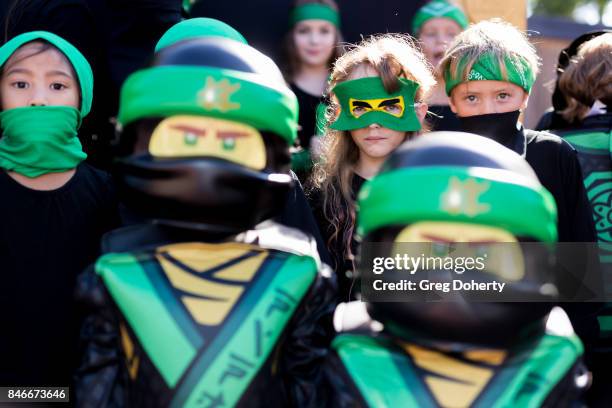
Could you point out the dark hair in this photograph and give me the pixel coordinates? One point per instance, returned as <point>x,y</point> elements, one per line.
<point>45,46</point>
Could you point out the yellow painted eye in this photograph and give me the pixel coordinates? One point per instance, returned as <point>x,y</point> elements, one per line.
<point>500,250</point>
<point>198,136</point>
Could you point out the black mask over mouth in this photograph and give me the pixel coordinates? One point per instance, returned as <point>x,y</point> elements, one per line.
<point>501,127</point>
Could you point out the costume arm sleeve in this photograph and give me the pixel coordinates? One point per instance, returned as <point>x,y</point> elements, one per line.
<point>583,315</point>
<point>581,214</point>
<point>99,380</point>
<point>308,343</point>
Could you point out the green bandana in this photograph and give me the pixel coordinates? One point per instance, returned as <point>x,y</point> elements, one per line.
<point>78,61</point>
<point>365,101</point>
<point>314,11</point>
<point>438,8</point>
<point>448,193</point>
<point>487,68</point>
<point>198,28</point>
<point>40,139</point>
<point>227,94</point>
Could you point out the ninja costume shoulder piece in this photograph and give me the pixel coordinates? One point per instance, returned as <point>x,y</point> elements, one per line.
<point>373,369</point>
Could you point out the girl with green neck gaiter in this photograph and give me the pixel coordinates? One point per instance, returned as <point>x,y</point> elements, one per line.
<point>54,208</point>
<point>46,88</point>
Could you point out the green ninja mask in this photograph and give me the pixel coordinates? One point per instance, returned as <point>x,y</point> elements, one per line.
<point>365,101</point>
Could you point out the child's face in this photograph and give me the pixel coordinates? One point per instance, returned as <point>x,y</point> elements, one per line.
<point>42,79</point>
<point>485,97</point>
<point>435,36</point>
<point>314,41</point>
<point>376,141</point>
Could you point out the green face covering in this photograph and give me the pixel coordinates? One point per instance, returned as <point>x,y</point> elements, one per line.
<point>37,140</point>
<point>314,11</point>
<point>365,101</point>
<point>78,61</point>
<point>487,68</point>
<point>198,28</point>
<point>436,9</point>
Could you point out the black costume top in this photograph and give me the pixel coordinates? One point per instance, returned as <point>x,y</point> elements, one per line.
<point>556,165</point>
<point>46,239</point>
<point>443,118</point>
<point>342,265</point>
<point>307,116</point>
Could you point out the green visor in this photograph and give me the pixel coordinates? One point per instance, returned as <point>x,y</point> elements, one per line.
<point>488,68</point>
<point>365,101</point>
<point>77,60</point>
<point>226,94</point>
<point>198,28</point>
<point>484,196</point>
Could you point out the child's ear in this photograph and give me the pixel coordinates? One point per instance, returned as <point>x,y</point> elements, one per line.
<point>525,101</point>
<point>451,103</point>
<point>421,111</point>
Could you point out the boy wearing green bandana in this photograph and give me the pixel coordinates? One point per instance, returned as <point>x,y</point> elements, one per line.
<point>489,70</point>
<point>55,207</point>
<point>433,349</point>
<point>208,302</point>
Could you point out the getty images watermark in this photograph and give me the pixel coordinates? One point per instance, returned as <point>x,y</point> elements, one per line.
<point>485,271</point>
<point>411,264</point>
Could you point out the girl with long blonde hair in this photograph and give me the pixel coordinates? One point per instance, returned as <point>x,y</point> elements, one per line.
<point>377,93</point>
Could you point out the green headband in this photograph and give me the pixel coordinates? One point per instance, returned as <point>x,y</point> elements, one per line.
<point>198,28</point>
<point>372,88</point>
<point>314,11</point>
<point>78,61</point>
<point>487,68</point>
<point>436,9</point>
<point>240,96</point>
<point>492,197</point>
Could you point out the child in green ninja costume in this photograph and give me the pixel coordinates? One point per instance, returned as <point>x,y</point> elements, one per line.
<point>208,301</point>
<point>54,206</point>
<point>377,95</point>
<point>489,70</point>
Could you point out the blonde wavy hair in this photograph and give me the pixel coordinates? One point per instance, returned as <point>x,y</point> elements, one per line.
<point>392,56</point>
<point>588,78</point>
<point>495,37</point>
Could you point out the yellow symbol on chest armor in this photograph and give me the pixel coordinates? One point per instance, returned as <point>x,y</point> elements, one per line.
<point>131,359</point>
<point>216,95</point>
<point>454,382</point>
<point>214,276</point>
<point>461,197</point>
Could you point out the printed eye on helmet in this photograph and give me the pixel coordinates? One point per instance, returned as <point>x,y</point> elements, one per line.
<point>446,199</point>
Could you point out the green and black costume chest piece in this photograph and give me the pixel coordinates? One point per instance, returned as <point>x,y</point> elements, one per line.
<point>389,373</point>
<point>593,142</point>
<point>198,321</point>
